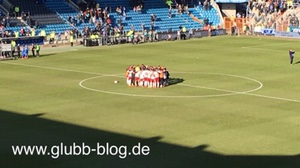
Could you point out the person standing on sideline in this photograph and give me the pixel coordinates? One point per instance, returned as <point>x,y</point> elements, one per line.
<point>13,47</point>
<point>33,50</point>
<point>25,52</point>
<point>291,53</point>
<point>71,38</point>
<point>37,49</point>
<point>19,50</point>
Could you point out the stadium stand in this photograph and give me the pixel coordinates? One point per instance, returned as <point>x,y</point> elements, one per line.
<point>59,6</point>
<point>158,7</point>
<point>211,15</point>
<point>31,6</point>
<point>36,14</point>
<point>55,15</point>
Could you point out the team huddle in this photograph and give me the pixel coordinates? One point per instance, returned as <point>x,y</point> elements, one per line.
<point>147,76</point>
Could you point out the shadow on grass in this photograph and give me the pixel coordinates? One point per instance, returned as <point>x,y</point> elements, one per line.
<point>45,55</point>
<point>174,81</point>
<point>297,62</point>
<point>19,129</point>
<point>41,55</point>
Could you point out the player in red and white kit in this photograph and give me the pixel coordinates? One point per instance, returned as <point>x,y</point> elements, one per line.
<point>144,76</point>
<point>156,78</point>
<point>137,77</point>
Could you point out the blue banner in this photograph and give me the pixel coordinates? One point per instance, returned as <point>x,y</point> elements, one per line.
<point>268,31</point>
<point>231,1</point>
<point>295,30</point>
<point>217,32</point>
<point>287,34</point>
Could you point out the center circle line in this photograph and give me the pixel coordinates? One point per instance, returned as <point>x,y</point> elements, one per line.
<point>178,96</point>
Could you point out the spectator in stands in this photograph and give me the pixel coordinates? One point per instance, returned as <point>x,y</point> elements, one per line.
<point>78,19</point>
<point>186,9</point>
<point>233,29</point>
<point>246,29</point>
<point>33,32</point>
<point>86,31</point>
<point>3,22</point>
<point>170,12</point>
<point>7,21</point>
<point>206,4</point>
<point>199,4</point>
<point>139,8</point>
<point>25,17</point>
<point>76,32</point>
<point>124,15</point>
<point>17,11</point>
<point>153,17</point>
<point>152,26</point>
<point>143,27</point>
<point>70,19</point>
<point>66,34</point>
<point>36,23</point>
<point>94,19</point>
<point>294,20</point>
<point>179,8</point>
<point>43,33</point>
<point>58,38</point>
<point>108,21</point>
<point>123,9</point>
<point>119,10</point>
<point>23,31</point>
<point>17,34</point>
<point>108,8</point>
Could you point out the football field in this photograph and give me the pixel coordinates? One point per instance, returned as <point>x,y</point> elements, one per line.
<point>234,102</point>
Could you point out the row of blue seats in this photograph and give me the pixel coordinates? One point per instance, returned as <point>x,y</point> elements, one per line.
<point>137,19</point>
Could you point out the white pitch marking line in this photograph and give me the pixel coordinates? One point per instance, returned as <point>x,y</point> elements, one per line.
<point>246,93</point>
<point>266,45</point>
<point>228,92</point>
<point>92,73</point>
<point>152,96</point>
<point>272,97</point>
<point>256,48</point>
<point>216,89</point>
<point>52,68</point>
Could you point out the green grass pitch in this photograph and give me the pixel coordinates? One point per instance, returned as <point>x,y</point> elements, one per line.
<point>238,105</point>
